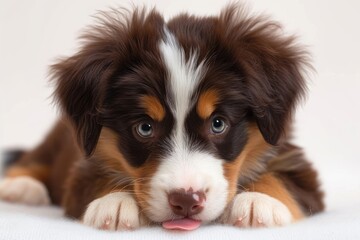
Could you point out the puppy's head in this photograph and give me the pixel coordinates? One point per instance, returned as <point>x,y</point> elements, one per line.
<point>187,108</point>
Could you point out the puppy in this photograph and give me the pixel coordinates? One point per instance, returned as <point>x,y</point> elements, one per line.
<point>179,123</point>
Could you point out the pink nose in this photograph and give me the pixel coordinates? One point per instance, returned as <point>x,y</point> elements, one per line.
<point>186,203</point>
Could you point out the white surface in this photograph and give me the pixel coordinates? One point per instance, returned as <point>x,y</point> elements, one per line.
<point>20,222</point>
<point>34,33</point>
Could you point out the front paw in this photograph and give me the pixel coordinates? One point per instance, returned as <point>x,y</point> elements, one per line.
<point>253,209</point>
<point>24,190</point>
<point>114,211</point>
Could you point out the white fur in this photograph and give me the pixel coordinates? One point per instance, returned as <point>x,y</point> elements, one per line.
<point>266,211</point>
<point>184,77</point>
<point>114,211</point>
<point>185,167</point>
<point>26,190</point>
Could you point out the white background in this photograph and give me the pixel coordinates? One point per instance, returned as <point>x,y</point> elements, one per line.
<point>33,33</point>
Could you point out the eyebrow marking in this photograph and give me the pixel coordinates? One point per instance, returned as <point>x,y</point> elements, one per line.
<point>153,107</point>
<point>206,103</point>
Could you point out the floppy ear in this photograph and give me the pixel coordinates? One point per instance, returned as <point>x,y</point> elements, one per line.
<point>273,66</point>
<point>81,80</point>
<point>79,92</point>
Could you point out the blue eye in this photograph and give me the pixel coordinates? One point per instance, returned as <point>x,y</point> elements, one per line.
<point>144,130</point>
<point>218,126</point>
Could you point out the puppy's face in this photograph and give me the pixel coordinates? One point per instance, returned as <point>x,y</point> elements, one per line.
<point>187,109</point>
<point>177,126</point>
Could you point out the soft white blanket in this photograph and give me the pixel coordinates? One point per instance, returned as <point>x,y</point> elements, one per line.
<point>28,223</point>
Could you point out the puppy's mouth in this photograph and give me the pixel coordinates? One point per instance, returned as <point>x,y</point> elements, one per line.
<point>186,224</point>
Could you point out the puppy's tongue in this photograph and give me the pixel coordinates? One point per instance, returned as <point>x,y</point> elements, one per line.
<point>186,224</point>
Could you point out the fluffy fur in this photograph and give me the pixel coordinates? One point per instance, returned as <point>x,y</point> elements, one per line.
<point>196,106</point>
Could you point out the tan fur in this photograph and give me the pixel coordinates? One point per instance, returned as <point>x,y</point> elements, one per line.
<point>142,185</point>
<point>37,171</point>
<point>247,159</point>
<point>273,187</point>
<point>268,184</point>
<point>108,150</point>
<point>206,103</point>
<point>153,107</point>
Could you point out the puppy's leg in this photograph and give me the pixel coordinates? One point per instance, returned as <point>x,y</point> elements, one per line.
<point>101,197</point>
<point>266,203</point>
<point>25,180</point>
<point>25,190</point>
<point>28,179</point>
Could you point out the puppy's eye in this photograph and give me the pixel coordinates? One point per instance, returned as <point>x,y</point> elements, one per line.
<point>218,126</point>
<point>144,130</point>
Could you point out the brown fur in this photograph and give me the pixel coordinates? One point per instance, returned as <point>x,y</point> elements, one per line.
<point>299,177</point>
<point>51,160</point>
<point>253,72</point>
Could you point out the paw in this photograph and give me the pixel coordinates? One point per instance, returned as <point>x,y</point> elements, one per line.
<point>25,190</point>
<point>252,209</point>
<point>114,211</point>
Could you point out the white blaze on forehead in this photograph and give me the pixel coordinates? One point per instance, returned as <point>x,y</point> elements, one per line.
<point>184,77</point>
<point>184,167</point>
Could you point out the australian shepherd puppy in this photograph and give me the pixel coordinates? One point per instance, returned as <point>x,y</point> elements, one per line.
<point>178,123</point>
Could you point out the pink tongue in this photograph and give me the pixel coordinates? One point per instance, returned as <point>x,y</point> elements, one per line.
<point>182,224</point>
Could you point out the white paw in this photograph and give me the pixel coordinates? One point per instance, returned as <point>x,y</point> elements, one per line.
<point>26,190</point>
<point>253,209</point>
<point>114,211</point>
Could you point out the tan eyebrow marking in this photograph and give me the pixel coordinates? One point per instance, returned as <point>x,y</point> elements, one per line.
<point>153,107</point>
<point>206,103</point>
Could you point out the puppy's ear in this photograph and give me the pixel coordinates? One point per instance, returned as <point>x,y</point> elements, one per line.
<point>273,66</point>
<point>81,80</point>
